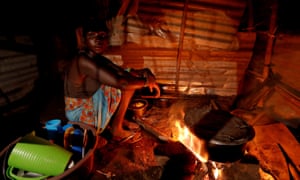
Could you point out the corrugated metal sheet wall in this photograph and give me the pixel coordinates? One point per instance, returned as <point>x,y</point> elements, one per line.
<point>18,73</point>
<point>192,46</point>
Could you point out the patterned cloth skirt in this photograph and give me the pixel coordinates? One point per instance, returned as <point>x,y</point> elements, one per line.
<point>96,110</point>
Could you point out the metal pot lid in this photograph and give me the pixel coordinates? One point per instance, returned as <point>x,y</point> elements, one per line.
<point>220,127</point>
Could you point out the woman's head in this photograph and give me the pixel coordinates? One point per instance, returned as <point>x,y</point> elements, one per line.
<point>96,35</point>
<point>94,24</point>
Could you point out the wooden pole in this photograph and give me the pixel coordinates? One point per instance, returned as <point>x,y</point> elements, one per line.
<point>180,46</point>
<point>270,43</point>
<point>250,27</point>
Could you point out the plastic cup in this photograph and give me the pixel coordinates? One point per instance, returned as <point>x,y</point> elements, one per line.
<point>53,128</point>
<point>38,155</point>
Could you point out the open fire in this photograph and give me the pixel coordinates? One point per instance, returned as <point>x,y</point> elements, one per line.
<point>217,172</point>
<point>197,146</point>
<point>206,152</point>
<point>212,170</point>
<point>190,141</point>
<point>201,143</point>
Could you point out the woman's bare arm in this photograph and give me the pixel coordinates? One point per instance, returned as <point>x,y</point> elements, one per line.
<point>109,74</point>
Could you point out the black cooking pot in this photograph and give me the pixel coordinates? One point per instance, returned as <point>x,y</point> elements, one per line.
<point>225,133</point>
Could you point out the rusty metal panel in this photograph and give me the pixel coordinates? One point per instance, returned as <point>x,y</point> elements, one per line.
<point>215,72</point>
<point>212,24</point>
<point>192,46</point>
<point>18,73</point>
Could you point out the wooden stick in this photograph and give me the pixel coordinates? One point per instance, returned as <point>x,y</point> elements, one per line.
<point>180,47</point>
<point>272,31</point>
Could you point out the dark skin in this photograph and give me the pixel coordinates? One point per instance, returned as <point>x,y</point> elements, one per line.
<point>86,71</point>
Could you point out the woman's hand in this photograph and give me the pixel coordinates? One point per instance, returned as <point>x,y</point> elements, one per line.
<point>157,89</point>
<point>151,82</point>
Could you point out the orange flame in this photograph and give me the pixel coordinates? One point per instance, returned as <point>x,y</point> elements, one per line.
<point>217,172</point>
<point>190,141</point>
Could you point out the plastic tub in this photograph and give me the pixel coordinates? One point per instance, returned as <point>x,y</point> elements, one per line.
<point>83,167</point>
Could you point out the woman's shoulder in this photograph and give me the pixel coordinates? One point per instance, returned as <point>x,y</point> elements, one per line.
<point>85,60</point>
<point>85,54</point>
<point>82,54</point>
